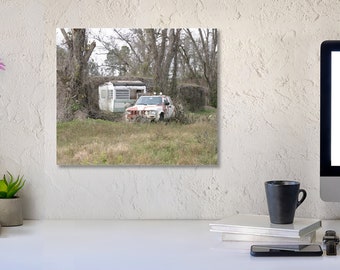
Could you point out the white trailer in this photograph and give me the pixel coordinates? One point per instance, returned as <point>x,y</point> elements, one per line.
<point>116,96</point>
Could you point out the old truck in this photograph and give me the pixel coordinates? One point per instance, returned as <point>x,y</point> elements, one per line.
<point>151,108</point>
<point>116,96</point>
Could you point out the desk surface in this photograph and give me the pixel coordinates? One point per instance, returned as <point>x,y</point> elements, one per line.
<point>69,245</point>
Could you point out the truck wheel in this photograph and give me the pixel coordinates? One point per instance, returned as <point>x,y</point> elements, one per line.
<point>161,117</point>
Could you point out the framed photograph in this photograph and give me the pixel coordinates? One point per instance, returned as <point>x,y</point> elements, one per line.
<point>137,96</point>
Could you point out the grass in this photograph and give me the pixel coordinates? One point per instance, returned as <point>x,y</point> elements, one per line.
<point>99,142</point>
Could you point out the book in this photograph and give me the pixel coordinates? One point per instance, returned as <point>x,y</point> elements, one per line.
<point>308,238</point>
<point>260,225</point>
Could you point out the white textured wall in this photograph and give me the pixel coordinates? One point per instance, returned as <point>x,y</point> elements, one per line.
<point>269,108</point>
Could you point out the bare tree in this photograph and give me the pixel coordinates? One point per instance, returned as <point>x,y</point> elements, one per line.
<point>206,49</point>
<point>163,45</point>
<point>76,71</point>
<point>151,53</point>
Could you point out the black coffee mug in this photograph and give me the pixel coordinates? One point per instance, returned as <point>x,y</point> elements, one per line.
<point>283,199</point>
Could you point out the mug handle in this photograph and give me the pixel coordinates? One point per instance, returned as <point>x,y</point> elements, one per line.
<point>304,195</point>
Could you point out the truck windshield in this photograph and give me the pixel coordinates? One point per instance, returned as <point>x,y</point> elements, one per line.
<point>149,100</point>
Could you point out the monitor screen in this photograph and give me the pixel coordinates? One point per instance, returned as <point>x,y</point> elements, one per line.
<point>335,108</point>
<point>330,121</point>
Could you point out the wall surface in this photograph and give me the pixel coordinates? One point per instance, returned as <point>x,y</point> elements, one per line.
<point>268,109</point>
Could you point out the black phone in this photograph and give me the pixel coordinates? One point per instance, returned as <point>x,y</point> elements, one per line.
<point>285,250</point>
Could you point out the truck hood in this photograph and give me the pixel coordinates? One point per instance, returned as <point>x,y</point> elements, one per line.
<point>143,108</point>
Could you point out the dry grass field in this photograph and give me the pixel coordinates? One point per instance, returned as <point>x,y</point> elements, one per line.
<point>99,142</point>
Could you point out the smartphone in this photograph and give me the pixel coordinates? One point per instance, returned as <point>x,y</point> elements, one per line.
<point>285,250</point>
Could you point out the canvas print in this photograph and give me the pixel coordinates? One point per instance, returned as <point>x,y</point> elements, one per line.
<point>137,96</point>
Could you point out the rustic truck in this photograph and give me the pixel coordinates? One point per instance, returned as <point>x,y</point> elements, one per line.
<point>116,96</point>
<point>152,108</point>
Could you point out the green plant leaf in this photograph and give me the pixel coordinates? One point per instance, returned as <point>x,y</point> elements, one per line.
<point>3,186</point>
<point>3,189</point>
<point>15,186</point>
<point>3,194</point>
<point>10,182</point>
<point>4,179</point>
<point>9,187</point>
<point>14,190</point>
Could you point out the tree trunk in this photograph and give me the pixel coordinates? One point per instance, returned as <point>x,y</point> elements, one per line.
<point>79,52</point>
<point>163,55</point>
<point>207,56</point>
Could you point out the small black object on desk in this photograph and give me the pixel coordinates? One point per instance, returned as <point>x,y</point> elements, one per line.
<point>331,241</point>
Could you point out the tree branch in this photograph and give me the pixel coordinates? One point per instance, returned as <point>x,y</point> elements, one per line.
<point>89,51</point>
<point>67,38</point>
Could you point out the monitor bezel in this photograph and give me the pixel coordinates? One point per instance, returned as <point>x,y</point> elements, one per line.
<point>326,169</point>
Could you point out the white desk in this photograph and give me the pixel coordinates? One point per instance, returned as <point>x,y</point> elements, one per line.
<point>99,245</point>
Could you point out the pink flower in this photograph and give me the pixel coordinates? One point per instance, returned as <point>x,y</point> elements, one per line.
<point>2,65</point>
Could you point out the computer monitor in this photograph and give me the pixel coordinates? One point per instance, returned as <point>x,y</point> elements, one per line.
<point>330,121</point>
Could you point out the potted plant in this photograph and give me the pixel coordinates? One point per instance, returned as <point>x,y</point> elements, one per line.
<point>10,204</point>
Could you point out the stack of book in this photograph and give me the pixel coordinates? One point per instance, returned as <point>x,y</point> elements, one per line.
<point>257,228</point>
